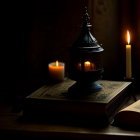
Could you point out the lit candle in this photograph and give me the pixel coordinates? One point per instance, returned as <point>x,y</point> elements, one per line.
<point>79,66</point>
<point>128,57</point>
<point>57,71</point>
<point>88,66</point>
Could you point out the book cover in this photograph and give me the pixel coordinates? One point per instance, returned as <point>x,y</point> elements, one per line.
<point>50,101</point>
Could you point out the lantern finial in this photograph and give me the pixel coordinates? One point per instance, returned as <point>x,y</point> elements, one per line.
<point>86,18</point>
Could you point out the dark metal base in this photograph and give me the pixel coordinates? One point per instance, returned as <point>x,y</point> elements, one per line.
<point>83,89</point>
<point>129,79</point>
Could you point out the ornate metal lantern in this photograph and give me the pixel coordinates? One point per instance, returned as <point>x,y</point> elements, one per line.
<point>85,65</point>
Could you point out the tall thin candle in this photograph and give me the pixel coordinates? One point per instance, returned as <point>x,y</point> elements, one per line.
<point>128,58</point>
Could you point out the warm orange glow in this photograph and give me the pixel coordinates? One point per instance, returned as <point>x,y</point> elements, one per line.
<point>87,63</point>
<point>87,66</point>
<point>56,70</point>
<point>79,66</point>
<point>57,63</point>
<point>128,37</point>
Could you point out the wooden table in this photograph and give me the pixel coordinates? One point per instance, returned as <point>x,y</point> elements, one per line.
<point>10,126</point>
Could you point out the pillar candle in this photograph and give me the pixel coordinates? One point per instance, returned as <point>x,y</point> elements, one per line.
<point>56,71</point>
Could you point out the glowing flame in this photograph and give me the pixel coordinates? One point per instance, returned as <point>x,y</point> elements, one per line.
<point>87,63</point>
<point>56,63</point>
<point>87,66</point>
<point>128,37</point>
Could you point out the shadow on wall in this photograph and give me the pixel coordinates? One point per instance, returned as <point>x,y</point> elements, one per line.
<point>45,31</point>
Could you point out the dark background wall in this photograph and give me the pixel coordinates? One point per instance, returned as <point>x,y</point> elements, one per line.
<point>41,32</point>
<point>38,32</point>
<point>105,28</point>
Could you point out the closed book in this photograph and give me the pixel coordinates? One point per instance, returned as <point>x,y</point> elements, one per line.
<point>51,102</point>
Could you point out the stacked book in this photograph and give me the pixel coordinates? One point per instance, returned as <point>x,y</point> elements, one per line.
<point>51,103</point>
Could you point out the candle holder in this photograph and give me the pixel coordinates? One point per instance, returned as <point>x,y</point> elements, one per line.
<point>85,65</point>
<point>132,88</point>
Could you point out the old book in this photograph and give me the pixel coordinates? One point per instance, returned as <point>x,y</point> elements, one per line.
<point>52,103</point>
<point>128,116</point>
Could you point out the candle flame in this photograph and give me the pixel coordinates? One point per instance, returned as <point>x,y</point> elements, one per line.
<point>56,63</point>
<point>89,66</point>
<point>128,37</point>
<point>87,63</point>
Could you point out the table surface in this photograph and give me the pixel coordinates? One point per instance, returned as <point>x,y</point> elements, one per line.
<point>11,126</point>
